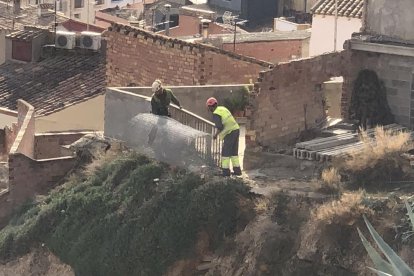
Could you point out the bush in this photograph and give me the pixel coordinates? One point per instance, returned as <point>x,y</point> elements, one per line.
<point>238,101</point>
<point>379,160</point>
<point>119,221</point>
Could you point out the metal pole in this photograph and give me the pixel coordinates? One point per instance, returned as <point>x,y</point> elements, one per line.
<point>167,17</point>
<point>87,24</point>
<point>55,17</point>
<point>336,24</point>
<point>234,38</point>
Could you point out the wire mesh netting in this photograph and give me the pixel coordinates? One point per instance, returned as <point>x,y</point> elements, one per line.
<point>169,141</point>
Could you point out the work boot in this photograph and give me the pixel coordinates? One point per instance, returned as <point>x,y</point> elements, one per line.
<point>226,172</point>
<point>237,171</point>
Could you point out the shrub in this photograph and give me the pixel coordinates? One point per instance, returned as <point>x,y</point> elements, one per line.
<point>118,221</point>
<point>393,265</point>
<point>331,180</point>
<point>379,160</point>
<point>344,210</point>
<point>238,101</point>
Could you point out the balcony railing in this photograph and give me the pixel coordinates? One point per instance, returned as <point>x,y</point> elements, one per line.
<point>207,148</point>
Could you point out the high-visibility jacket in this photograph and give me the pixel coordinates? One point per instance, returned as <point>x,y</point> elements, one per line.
<point>228,121</point>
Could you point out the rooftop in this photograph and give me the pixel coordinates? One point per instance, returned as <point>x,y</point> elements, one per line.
<point>263,36</point>
<point>27,16</point>
<point>346,8</point>
<point>63,79</point>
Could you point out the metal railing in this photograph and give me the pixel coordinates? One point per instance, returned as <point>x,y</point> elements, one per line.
<point>206,147</point>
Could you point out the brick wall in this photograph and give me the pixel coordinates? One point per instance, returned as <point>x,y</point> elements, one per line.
<point>271,51</point>
<point>49,145</point>
<point>24,142</point>
<point>136,57</point>
<point>289,97</point>
<point>28,177</point>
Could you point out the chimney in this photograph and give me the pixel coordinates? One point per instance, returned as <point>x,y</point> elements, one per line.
<point>16,6</point>
<point>204,25</point>
<point>167,19</point>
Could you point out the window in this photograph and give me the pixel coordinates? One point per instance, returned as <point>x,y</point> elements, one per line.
<point>77,15</point>
<point>78,4</point>
<point>99,2</point>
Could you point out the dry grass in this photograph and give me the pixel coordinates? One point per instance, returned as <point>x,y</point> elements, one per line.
<point>345,210</point>
<point>387,144</point>
<point>330,179</point>
<point>99,160</point>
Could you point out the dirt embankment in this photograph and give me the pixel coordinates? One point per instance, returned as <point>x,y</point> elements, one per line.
<point>39,262</point>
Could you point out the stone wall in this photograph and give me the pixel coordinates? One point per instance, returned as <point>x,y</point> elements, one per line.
<point>290,99</point>
<point>136,57</point>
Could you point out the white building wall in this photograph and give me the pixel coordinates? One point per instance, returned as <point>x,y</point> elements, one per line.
<point>323,29</point>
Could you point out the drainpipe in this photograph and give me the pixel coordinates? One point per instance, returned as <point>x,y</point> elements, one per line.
<point>167,19</point>
<point>336,24</point>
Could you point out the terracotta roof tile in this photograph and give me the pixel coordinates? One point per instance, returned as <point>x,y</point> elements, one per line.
<point>54,83</point>
<point>346,8</point>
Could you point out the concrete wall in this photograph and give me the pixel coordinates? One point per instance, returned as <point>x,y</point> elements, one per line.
<point>87,115</point>
<point>50,145</point>
<point>193,98</point>
<point>24,142</point>
<point>3,34</point>
<point>391,18</point>
<point>397,73</point>
<point>272,51</point>
<point>322,39</point>
<point>282,25</point>
<point>333,93</point>
<point>120,107</point>
<point>173,61</point>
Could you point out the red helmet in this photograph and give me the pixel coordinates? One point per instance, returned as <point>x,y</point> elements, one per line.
<point>211,101</point>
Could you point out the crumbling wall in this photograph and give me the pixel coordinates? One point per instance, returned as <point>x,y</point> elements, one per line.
<point>290,99</point>
<point>136,57</point>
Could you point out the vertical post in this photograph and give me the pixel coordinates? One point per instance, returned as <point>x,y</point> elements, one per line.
<point>167,19</point>
<point>234,38</point>
<point>336,24</point>
<point>55,17</point>
<point>87,21</point>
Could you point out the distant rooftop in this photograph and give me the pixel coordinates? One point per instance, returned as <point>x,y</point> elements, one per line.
<point>346,8</point>
<point>27,16</point>
<point>263,36</point>
<point>62,79</point>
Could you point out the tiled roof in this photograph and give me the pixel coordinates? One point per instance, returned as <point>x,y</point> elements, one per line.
<point>25,35</point>
<point>54,83</point>
<point>27,16</point>
<point>346,8</point>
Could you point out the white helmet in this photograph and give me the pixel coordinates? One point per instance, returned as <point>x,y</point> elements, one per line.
<point>156,85</point>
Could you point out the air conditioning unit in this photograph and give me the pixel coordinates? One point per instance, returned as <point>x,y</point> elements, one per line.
<point>90,40</point>
<point>66,40</point>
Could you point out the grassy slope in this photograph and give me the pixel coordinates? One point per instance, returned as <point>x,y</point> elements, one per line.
<point>118,221</point>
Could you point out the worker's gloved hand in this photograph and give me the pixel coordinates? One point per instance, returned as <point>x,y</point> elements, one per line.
<point>180,107</point>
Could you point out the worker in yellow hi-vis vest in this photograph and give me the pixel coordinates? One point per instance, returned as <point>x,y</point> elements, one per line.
<point>229,131</point>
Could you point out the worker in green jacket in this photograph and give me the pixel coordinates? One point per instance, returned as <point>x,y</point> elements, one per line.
<point>161,99</point>
<point>229,132</point>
